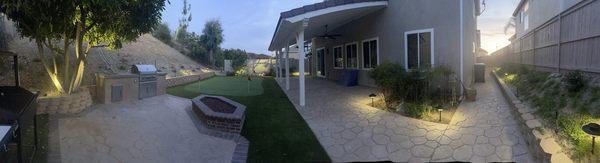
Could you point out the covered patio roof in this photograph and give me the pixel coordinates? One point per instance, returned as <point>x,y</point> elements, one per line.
<point>333,13</point>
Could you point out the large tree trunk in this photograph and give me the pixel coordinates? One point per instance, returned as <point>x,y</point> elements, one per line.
<point>66,65</point>
<point>52,71</point>
<point>81,56</point>
<point>71,79</point>
<point>211,58</point>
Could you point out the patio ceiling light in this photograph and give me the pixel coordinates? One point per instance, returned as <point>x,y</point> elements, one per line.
<point>592,129</point>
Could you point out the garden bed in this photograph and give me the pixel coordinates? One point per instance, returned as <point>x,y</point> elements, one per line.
<point>430,113</point>
<point>417,93</point>
<point>565,102</point>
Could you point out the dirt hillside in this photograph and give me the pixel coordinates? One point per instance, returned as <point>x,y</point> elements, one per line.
<point>145,50</point>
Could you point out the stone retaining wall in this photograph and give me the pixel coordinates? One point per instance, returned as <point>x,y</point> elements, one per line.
<point>65,104</point>
<point>542,146</point>
<point>171,82</point>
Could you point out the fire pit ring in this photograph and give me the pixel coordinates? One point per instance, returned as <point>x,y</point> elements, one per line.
<point>219,113</point>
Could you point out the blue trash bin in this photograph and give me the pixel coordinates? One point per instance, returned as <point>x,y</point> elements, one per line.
<point>348,78</point>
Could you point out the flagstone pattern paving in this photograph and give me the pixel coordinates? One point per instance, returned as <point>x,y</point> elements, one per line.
<point>350,130</point>
<point>157,129</point>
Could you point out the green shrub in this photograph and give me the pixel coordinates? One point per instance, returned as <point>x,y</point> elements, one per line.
<point>389,77</point>
<point>570,126</point>
<point>440,87</point>
<point>230,74</point>
<point>416,110</point>
<point>574,81</point>
<point>522,69</point>
<point>271,72</point>
<point>416,86</point>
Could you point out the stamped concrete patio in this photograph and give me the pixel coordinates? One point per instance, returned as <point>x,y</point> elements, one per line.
<point>350,130</point>
<point>157,129</point>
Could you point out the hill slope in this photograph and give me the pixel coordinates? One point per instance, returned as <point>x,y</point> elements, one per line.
<point>145,50</point>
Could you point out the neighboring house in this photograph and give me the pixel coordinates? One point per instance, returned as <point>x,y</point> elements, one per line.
<point>530,14</point>
<point>259,63</point>
<point>361,34</point>
<point>556,35</point>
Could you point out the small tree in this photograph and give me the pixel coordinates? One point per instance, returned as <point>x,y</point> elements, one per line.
<point>182,33</point>
<point>197,50</point>
<point>212,37</point>
<point>60,25</point>
<point>163,33</point>
<point>238,58</point>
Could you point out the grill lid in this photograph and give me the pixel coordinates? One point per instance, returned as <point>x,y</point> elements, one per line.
<point>143,69</point>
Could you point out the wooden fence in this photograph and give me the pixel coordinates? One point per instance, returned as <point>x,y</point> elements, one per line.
<point>569,41</point>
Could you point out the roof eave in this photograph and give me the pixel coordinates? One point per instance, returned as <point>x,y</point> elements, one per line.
<point>518,7</point>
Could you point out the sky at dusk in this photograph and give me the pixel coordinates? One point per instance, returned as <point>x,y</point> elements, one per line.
<point>249,24</point>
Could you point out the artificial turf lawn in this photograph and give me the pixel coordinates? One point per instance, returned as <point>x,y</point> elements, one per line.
<point>276,131</point>
<point>227,86</point>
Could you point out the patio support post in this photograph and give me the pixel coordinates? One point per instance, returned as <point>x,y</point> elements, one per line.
<point>287,67</point>
<point>276,65</point>
<point>301,56</point>
<point>280,65</point>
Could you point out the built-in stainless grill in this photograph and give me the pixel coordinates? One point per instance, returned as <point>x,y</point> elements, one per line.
<point>17,115</point>
<point>147,80</point>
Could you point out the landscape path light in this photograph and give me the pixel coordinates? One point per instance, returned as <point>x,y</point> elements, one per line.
<point>440,110</point>
<point>592,129</point>
<point>372,96</point>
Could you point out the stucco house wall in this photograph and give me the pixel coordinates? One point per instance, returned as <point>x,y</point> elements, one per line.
<point>389,26</point>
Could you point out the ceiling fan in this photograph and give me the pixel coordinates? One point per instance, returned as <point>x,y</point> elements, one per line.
<point>329,36</point>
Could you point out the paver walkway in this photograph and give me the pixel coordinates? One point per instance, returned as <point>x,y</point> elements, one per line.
<point>350,130</point>
<point>157,129</point>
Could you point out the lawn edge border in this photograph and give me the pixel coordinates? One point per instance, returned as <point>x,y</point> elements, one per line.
<point>542,147</point>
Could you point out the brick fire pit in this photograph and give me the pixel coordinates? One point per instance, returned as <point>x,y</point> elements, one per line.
<point>219,113</point>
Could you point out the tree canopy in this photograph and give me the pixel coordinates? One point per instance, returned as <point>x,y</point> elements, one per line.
<point>212,37</point>
<point>238,58</point>
<point>95,21</point>
<point>163,33</point>
<point>60,24</point>
<point>182,33</point>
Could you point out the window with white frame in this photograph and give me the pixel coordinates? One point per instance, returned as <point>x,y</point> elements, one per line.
<point>338,58</point>
<point>370,53</point>
<point>419,49</point>
<point>351,56</point>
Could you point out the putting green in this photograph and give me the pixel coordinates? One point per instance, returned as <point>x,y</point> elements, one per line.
<point>226,86</point>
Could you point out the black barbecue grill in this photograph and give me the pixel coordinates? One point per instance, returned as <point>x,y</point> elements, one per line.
<point>17,111</point>
<point>147,80</point>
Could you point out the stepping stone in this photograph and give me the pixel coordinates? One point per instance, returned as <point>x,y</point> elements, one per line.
<point>422,151</point>
<point>442,152</point>
<point>533,123</point>
<point>550,146</point>
<point>402,155</point>
<point>561,157</point>
<point>463,153</point>
<point>483,149</point>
